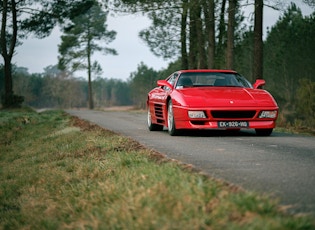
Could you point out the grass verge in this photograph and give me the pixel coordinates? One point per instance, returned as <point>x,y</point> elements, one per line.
<point>59,172</point>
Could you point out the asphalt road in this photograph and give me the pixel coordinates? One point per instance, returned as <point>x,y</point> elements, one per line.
<point>282,165</point>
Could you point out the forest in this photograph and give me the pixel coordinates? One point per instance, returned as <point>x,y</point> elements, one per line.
<point>199,33</point>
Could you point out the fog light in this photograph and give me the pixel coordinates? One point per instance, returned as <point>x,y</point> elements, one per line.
<point>268,114</point>
<point>196,114</point>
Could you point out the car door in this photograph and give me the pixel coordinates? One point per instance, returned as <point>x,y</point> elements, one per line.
<point>158,99</point>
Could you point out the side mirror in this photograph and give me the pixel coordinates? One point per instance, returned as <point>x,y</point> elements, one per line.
<point>164,83</point>
<point>259,83</point>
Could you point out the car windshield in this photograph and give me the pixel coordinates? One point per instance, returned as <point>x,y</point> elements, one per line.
<point>217,79</point>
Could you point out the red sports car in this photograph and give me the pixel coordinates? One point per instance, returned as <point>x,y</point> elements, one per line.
<point>210,99</point>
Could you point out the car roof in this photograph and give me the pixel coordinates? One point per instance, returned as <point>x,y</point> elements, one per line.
<point>206,71</point>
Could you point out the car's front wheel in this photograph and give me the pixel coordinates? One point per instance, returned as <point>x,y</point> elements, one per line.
<point>151,126</point>
<point>170,120</point>
<point>263,132</point>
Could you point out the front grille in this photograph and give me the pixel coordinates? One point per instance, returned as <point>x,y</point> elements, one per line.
<point>233,114</point>
<point>158,111</point>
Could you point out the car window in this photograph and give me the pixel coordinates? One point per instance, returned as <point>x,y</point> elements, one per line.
<point>184,82</point>
<point>243,81</point>
<point>172,79</point>
<point>206,79</point>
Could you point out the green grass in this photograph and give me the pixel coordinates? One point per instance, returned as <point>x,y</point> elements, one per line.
<point>58,172</point>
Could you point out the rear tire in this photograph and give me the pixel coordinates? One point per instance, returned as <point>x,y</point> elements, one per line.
<point>151,126</point>
<point>263,132</point>
<point>171,121</point>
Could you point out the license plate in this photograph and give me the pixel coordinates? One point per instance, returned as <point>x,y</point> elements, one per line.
<point>232,124</point>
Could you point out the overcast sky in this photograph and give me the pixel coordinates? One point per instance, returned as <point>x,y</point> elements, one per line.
<point>37,54</point>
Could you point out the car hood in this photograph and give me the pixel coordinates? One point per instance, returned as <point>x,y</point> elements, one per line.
<point>226,96</point>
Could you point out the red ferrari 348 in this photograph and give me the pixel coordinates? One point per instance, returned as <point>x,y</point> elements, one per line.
<point>210,99</point>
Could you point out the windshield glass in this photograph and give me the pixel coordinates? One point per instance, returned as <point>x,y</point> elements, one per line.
<point>217,79</point>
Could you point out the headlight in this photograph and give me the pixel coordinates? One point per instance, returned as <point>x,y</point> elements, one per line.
<point>196,114</point>
<point>268,114</point>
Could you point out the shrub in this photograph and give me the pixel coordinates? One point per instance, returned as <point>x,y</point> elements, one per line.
<point>12,101</point>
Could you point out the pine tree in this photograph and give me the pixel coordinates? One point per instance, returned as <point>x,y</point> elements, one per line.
<point>82,37</point>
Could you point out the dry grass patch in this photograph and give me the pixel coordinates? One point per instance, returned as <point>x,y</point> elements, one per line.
<point>59,172</point>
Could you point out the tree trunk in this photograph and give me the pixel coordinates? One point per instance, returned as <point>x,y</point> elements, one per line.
<point>91,104</point>
<point>8,82</point>
<point>220,47</point>
<point>230,35</point>
<point>193,35</point>
<point>210,25</point>
<point>258,42</point>
<point>183,37</point>
<point>7,52</point>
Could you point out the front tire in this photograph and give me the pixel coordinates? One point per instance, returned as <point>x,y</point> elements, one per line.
<point>263,132</point>
<point>151,126</point>
<point>170,120</point>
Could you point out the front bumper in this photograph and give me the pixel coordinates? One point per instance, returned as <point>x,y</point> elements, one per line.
<point>238,115</point>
